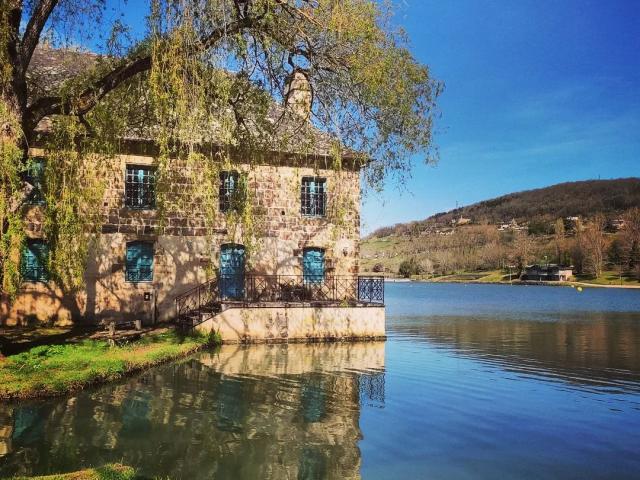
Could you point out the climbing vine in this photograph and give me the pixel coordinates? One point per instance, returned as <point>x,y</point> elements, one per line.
<point>218,85</point>
<point>11,169</point>
<point>73,191</point>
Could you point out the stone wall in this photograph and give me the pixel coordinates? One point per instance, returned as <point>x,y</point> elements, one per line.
<point>187,245</point>
<point>285,323</point>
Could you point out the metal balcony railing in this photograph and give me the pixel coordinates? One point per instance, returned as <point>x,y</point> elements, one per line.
<point>264,289</point>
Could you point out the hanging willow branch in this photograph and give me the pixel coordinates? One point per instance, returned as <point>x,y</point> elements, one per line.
<point>207,72</point>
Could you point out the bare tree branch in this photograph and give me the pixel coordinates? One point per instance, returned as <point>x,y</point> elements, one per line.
<point>34,28</point>
<point>14,14</point>
<point>57,105</point>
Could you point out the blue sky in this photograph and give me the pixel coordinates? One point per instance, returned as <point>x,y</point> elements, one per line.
<point>537,93</point>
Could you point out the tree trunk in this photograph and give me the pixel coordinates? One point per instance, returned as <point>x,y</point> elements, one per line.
<point>13,85</point>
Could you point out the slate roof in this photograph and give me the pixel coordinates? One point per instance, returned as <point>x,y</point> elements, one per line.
<point>50,68</point>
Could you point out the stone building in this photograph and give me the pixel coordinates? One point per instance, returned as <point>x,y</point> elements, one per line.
<point>299,252</point>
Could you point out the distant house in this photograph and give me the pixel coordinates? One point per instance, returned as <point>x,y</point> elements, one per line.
<point>618,223</point>
<point>547,273</point>
<point>511,226</point>
<point>461,221</point>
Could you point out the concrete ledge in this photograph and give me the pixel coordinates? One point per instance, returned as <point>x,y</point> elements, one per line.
<point>300,323</point>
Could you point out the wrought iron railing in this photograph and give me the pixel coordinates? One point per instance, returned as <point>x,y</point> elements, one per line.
<point>265,289</point>
<point>196,301</point>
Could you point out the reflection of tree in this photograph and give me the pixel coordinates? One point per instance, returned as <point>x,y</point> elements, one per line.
<point>597,350</point>
<point>268,412</point>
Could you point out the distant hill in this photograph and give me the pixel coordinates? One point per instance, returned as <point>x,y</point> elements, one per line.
<point>584,199</point>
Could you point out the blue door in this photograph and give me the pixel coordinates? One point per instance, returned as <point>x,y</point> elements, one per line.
<point>232,272</point>
<point>313,265</point>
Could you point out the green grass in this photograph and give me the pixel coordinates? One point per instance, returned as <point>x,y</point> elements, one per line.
<point>497,276</point>
<point>113,471</point>
<point>609,278</point>
<point>491,276</point>
<point>56,369</point>
<point>32,334</point>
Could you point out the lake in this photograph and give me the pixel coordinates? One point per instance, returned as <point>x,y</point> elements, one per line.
<point>474,381</point>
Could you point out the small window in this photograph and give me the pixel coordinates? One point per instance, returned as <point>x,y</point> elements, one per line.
<point>233,192</point>
<point>35,176</point>
<point>140,187</point>
<point>139,266</point>
<point>314,196</point>
<point>33,264</point>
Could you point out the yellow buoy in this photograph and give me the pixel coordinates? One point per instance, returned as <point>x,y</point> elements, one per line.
<point>579,289</point>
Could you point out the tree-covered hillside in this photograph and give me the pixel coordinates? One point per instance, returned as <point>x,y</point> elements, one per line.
<point>593,226</point>
<point>572,199</point>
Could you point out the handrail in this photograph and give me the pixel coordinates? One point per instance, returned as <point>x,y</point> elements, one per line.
<point>264,289</point>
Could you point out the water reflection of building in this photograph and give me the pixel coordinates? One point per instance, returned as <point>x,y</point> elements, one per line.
<point>264,411</point>
<point>6,431</point>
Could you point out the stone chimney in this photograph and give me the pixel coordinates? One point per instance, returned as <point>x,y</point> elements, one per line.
<point>298,94</point>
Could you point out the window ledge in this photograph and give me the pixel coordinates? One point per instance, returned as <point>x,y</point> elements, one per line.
<point>140,209</point>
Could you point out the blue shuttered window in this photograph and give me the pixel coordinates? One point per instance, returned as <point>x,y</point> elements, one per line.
<point>139,262</point>
<point>33,264</point>
<point>140,187</point>
<point>233,191</point>
<point>313,401</point>
<point>313,196</point>
<point>313,265</point>
<point>312,464</point>
<point>35,176</point>
<point>232,265</point>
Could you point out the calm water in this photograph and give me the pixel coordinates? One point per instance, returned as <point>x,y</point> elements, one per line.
<point>474,382</point>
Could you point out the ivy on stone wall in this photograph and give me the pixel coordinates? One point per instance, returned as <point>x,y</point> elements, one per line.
<point>215,84</point>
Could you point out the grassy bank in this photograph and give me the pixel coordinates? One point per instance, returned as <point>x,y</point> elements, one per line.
<point>607,279</point>
<point>57,369</point>
<point>490,276</point>
<point>108,472</point>
<point>113,471</point>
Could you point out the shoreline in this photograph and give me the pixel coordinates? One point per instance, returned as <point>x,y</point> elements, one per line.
<point>515,282</point>
<point>23,385</point>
